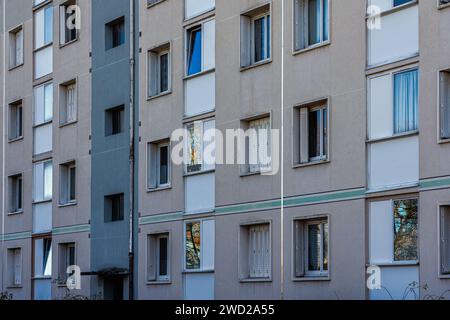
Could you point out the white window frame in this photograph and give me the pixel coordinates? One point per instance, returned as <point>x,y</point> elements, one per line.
<point>154,70</point>
<point>15,127</point>
<point>444,243</point>
<point>323,131</point>
<point>15,182</point>
<point>16,56</point>
<point>159,76</point>
<point>63,22</point>
<point>259,167</point>
<point>188,43</point>
<point>65,185</point>
<point>441,104</point>
<point>64,104</point>
<point>204,167</point>
<point>158,165</point>
<point>158,238</point>
<point>64,249</point>
<point>201,246</point>
<point>44,182</point>
<point>16,280</point>
<point>322,272</point>
<point>267,31</point>
<point>263,274</point>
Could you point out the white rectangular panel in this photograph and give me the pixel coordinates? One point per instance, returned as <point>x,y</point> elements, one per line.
<point>208,244</point>
<point>42,217</point>
<point>209,45</point>
<point>200,193</point>
<point>381,232</point>
<point>200,94</point>
<point>381,109</point>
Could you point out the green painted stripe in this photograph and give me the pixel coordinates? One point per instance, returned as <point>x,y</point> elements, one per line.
<point>72,229</point>
<point>435,183</point>
<point>16,236</point>
<point>161,218</point>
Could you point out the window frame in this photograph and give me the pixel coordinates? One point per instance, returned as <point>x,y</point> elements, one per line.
<point>110,28</point>
<point>63,103</point>
<point>65,5</point>
<point>444,270</point>
<point>154,70</point>
<point>267,42</point>
<point>109,216</point>
<point>65,187</point>
<point>11,265</point>
<point>109,120</point>
<point>200,268</point>
<point>15,196</point>
<point>36,49</point>
<point>323,133</point>
<point>13,63</point>
<point>203,166</point>
<point>64,249</point>
<point>44,163</point>
<point>440,135</point>
<point>188,53</point>
<point>301,28</point>
<point>321,223</point>
<point>18,126</point>
<point>160,277</point>
<point>247,168</point>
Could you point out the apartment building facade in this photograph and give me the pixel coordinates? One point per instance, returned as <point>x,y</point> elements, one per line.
<point>357,95</point>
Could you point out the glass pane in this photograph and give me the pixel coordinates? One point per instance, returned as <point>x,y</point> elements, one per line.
<point>48,25</point>
<point>325,20</point>
<point>259,35</point>
<point>406,100</point>
<point>164,165</point>
<point>325,246</point>
<point>325,132</point>
<point>192,246</point>
<point>195,52</point>
<point>48,180</point>
<point>48,100</point>
<point>313,21</point>
<point>47,257</point>
<point>72,185</point>
<point>268,37</point>
<point>314,247</point>
<point>405,230</point>
<point>163,256</point>
<point>194,141</point>
<point>314,134</point>
<point>164,72</point>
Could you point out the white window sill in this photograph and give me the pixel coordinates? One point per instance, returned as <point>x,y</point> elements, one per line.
<point>159,282</point>
<point>68,123</point>
<point>11,68</point>
<point>162,188</point>
<point>65,205</point>
<point>256,64</point>
<point>15,139</point>
<point>311,163</point>
<point>443,141</point>
<point>309,278</point>
<point>199,74</point>
<point>310,48</point>
<point>443,6</point>
<point>395,264</point>
<point>62,45</point>
<point>394,136</point>
<point>444,276</point>
<point>190,174</point>
<point>10,214</point>
<point>159,95</point>
<point>255,280</point>
<point>197,271</point>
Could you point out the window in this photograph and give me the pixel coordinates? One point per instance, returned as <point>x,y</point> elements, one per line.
<point>67,184</point>
<point>159,70</point>
<point>255,36</point>
<point>43,115</point>
<point>444,104</point>
<point>16,194</point>
<point>68,102</point>
<point>199,155</point>
<point>115,33</point>
<point>67,258</point>
<point>153,2</point>
<point>115,118</point>
<point>405,230</point>
<point>311,137</point>
<point>400,2</point>
<point>15,121</point>
<point>114,208</point>
<point>311,238</point>
<point>43,181</point>
<point>158,263</point>
<point>445,239</point>
<point>43,258</point>
<point>14,267</point>
<point>68,21</point>
<point>16,47</point>
<point>199,245</point>
<point>442,2</point>
<point>406,100</point>
<point>311,23</point>
<point>43,38</point>
<point>255,260</point>
<point>200,48</point>
<point>258,145</point>
<point>158,165</point>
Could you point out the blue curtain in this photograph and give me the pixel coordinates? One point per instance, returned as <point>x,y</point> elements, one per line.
<point>325,20</point>
<point>406,101</point>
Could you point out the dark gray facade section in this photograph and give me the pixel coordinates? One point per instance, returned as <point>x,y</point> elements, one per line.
<point>110,153</point>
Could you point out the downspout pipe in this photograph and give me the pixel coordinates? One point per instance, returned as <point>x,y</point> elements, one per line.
<point>132,152</point>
